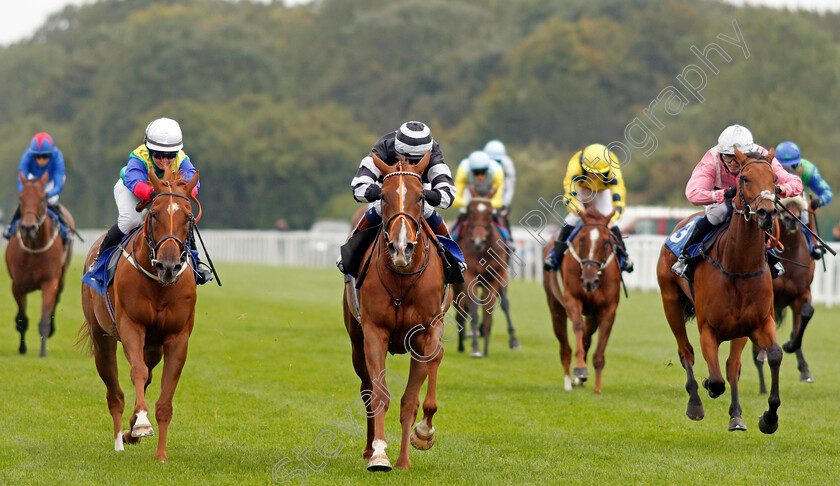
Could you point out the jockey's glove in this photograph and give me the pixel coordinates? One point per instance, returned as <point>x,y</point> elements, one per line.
<point>815,203</point>
<point>432,197</point>
<point>729,193</point>
<point>373,192</point>
<point>142,203</point>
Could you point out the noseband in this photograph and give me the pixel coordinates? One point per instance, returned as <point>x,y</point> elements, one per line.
<point>154,246</point>
<point>747,212</point>
<point>601,264</point>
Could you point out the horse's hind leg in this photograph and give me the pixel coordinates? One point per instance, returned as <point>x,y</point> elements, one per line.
<point>733,374</point>
<point>49,295</point>
<point>494,292</point>
<point>558,321</point>
<point>758,360</point>
<point>21,321</point>
<point>105,355</point>
<point>796,335</point>
<point>674,304</point>
<point>513,342</point>
<point>802,313</point>
<point>765,338</point>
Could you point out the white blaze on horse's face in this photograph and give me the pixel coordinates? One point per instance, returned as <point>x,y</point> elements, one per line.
<point>481,207</point>
<point>594,234</point>
<point>173,208</point>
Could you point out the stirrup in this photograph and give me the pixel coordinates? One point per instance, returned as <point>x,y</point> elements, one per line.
<point>203,273</point>
<point>462,266</point>
<point>777,269</point>
<point>340,265</point>
<point>817,253</point>
<point>549,265</point>
<point>680,267</point>
<point>93,263</point>
<point>628,265</point>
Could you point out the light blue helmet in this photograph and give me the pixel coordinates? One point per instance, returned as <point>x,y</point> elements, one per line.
<point>479,160</point>
<point>788,153</point>
<point>495,149</point>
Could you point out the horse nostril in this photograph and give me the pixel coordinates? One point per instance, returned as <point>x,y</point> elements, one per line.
<point>177,268</point>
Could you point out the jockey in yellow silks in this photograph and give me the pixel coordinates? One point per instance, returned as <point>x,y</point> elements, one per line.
<point>485,176</point>
<point>597,170</point>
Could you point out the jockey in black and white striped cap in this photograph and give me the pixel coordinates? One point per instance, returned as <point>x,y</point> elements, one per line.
<point>413,140</point>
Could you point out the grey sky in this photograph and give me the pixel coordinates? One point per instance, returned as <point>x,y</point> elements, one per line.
<point>20,19</point>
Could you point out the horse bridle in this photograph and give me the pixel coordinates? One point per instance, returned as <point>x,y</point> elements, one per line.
<point>471,225</point>
<point>401,213</point>
<point>601,264</point>
<point>148,235</point>
<point>747,212</point>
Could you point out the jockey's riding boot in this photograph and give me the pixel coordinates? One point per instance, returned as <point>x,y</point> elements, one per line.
<point>362,225</point>
<point>553,264</point>
<point>626,263</point>
<point>203,273</point>
<point>776,268</point>
<point>442,230</point>
<point>700,230</point>
<point>112,238</point>
<point>8,233</point>
<point>817,252</point>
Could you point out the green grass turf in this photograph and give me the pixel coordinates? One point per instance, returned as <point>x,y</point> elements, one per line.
<point>269,370</point>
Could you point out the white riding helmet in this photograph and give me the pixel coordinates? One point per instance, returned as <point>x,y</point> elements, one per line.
<point>495,149</point>
<point>735,136</point>
<point>164,135</point>
<point>479,161</point>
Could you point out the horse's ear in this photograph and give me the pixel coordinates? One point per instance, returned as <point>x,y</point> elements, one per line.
<point>381,165</point>
<point>191,184</point>
<point>610,216</point>
<point>156,184</point>
<point>771,155</point>
<point>741,158</point>
<point>420,167</point>
<point>44,178</point>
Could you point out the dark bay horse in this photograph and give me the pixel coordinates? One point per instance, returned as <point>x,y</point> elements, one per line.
<point>37,259</point>
<point>732,295</point>
<point>154,309</point>
<point>793,288</point>
<point>402,303</point>
<point>487,258</point>
<point>586,290</point>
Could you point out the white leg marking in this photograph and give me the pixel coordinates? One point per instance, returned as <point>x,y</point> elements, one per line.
<point>142,419</point>
<point>118,442</point>
<point>423,428</point>
<point>379,447</point>
<point>567,383</point>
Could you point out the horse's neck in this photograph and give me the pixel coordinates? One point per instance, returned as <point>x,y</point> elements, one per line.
<point>140,251</point>
<point>742,247</point>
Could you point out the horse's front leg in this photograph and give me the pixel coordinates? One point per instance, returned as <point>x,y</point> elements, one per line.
<point>21,321</point>
<point>605,323</point>
<point>494,293</point>
<point>133,337</point>
<point>411,397</point>
<point>758,360</point>
<point>802,313</point>
<point>574,311</point>
<point>513,342</point>
<point>765,338</point>
<point>49,296</point>
<point>733,374</point>
<point>709,344</point>
<point>558,321</point>
<point>423,435</point>
<point>175,355</point>
<point>376,346</point>
<point>474,322</point>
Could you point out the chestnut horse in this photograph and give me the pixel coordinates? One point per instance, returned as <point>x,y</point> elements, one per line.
<point>487,258</point>
<point>732,295</point>
<point>153,308</point>
<point>586,290</point>
<point>402,302</point>
<point>37,259</point>
<point>793,289</point>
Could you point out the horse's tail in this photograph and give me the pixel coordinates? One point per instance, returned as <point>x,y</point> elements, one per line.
<point>689,312</point>
<point>84,342</point>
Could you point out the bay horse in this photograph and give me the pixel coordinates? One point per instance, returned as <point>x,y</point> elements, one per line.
<point>402,301</point>
<point>731,296</point>
<point>487,257</point>
<point>586,290</point>
<point>793,288</point>
<point>37,259</point>
<point>153,309</point>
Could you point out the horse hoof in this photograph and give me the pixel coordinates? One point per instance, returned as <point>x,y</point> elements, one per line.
<point>142,430</point>
<point>695,412</point>
<point>129,440</point>
<point>581,373</point>
<point>761,356</point>
<point>419,442</point>
<point>514,344</point>
<point>765,427</point>
<point>788,347</point>
<point>737,423</point>
<point>22,349</point>
<point>379,463</point>
<point>476,354</point>
<point>806,377</point>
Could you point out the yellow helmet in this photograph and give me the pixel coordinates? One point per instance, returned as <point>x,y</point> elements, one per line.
<point>598,158</point>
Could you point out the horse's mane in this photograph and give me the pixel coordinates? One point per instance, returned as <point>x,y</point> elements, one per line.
<point>755,154</point>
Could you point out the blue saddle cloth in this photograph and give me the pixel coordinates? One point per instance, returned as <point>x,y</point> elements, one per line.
<point>452,247</point>
<point>808,239</point>
<point>677,241</point>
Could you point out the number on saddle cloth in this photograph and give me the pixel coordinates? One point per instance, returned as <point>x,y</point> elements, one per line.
<point>677,240</point>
